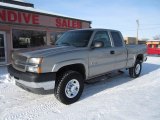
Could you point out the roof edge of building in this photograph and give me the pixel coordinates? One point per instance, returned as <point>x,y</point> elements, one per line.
<point>24,8</point>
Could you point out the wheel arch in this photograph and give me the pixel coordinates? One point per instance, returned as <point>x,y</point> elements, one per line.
<point>139,57</point>
<point>79,67</point>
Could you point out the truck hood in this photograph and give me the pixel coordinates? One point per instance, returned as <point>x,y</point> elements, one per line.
<point>46,51</point>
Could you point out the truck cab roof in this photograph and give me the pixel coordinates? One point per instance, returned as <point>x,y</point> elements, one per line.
<point>96,29</point>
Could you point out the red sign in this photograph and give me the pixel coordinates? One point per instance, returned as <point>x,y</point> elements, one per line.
<point>14,16</point>
<point>66,23</point>
<point>20,17</point>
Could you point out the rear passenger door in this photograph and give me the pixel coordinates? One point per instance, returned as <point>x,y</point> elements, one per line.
<point>120,51</point>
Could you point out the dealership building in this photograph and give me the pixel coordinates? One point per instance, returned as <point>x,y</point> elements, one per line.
<point>23,26</point>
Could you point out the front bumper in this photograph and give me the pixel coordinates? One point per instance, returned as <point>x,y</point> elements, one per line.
<point>43,83</point>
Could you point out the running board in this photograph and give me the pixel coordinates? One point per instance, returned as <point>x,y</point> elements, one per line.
<point>104,77</point>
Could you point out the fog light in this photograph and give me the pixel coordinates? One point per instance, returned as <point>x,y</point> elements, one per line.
<point>32,69</point>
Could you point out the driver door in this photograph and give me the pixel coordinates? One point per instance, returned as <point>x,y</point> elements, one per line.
<point>101,60</point>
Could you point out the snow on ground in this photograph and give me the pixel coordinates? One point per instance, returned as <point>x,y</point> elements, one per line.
<point>118,98</point>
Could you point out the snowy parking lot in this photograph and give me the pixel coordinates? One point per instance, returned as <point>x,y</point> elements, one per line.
<point>117,98</point>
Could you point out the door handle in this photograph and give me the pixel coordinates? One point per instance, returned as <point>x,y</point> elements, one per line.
<point>112,52</point>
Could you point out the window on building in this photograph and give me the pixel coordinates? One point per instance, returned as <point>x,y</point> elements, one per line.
<point>117,39</point>
<point>54,37</point>
<point>28,38</point>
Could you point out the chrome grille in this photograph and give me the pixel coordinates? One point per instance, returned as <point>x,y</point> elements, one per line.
<point>19,58</point>
<point>20,67</point>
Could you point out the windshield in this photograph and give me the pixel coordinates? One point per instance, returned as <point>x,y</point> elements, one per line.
<point>79,38</point>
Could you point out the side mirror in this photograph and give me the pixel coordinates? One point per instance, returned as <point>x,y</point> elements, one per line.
<point>97,44</point>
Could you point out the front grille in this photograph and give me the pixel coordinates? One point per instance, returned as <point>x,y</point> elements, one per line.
<point>19,62</point>
<point>20,67</point>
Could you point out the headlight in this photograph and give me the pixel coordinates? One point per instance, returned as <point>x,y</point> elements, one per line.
<point>34,65</point>
<point>35,60</point>
<point>32,68</point>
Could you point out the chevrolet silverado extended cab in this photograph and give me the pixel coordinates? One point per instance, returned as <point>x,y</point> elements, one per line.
<point>78,56</point>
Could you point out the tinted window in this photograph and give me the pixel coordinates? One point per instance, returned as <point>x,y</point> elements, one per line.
<point>28,38</point>
<point>150,45</point>
<point>104,37</point>
<point>117,39</point>
<point>75,38</point>
<point>157,46</point>
<point>2,51</point>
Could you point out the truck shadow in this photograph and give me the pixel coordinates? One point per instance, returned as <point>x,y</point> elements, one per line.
<point>148,67</point>
<point>101,85</point>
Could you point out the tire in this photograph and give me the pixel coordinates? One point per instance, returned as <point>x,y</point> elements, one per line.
<point>69,87</point>
<point>135,71</point>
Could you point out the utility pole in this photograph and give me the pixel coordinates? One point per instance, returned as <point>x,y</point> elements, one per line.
<point>137,21</point>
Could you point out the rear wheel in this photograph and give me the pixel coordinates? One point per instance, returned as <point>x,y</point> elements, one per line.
<point>69,87</point>
<point>135,71</point>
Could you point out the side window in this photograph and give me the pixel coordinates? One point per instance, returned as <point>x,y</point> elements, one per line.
<point>117,39</point>
<point>150,45</point>
<point>157,46</point>
<point>54,37</point>
<point>104,37</point>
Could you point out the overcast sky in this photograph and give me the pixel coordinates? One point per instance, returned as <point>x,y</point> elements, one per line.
<point>110,14</point>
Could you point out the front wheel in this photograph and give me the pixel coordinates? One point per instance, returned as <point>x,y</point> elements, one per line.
<point>69,87</point>
<point>135,71</point>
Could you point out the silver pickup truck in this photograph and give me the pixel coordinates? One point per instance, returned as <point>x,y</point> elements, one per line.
<point>78,56</point>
